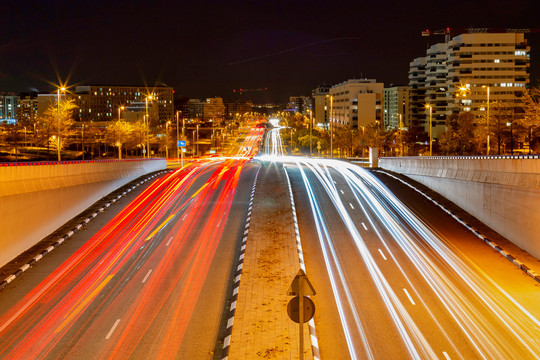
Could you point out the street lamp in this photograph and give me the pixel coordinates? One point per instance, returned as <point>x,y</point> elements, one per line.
<point>149,97</point>
<point>331,129</point>
<point>310,131</point>
<point>63,89</point>
<point>178,136</point>
<point>119,110</point>
<point>430,127</point>
<point>487,119</point>
<point>167,139</point>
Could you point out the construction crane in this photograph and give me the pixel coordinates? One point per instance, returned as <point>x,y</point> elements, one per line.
<point>448,32</point>
<point>240,91</point>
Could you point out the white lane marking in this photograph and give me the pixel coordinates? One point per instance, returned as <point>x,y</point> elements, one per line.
<point>364,225</point>
<point>342,192</point>
<point>409,296</point>
<point>446,355</point>
<point>382,254</point>
<point>352,207</point>
<point>112,329</point>
<point>184,217</point>
<point>169,242</point>
<point>147,275</point>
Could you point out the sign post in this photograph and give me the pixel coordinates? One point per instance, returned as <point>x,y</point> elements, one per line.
<point>181,143</point>
<point>301,308</point>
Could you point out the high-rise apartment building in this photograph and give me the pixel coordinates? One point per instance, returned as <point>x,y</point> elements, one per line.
<point>476,61</point>
<point>357,102</point>
<point>499,61</point>
<point>396,106</point>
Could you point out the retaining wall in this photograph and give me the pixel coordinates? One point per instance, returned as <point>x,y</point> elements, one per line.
<point>501,191</point>
<point>38,198</point>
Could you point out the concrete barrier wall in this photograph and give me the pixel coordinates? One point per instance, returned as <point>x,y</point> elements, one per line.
<point>36,199</point>
<point>502,192</point>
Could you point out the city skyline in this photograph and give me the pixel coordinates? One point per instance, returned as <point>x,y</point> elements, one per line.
<point>208,49</point>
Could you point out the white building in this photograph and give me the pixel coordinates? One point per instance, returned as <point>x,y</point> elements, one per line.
<point>321,105</point>
<point>357,102</point>
<point>477,61</point>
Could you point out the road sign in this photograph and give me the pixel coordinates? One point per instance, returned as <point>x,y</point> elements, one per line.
<point>301,308</point>
<point>307,289</point>
<point>181,143</point>
<point>293,309</point>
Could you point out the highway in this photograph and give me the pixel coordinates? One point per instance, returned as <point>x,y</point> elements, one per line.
<point>389,286</point>
<point>152,283</point>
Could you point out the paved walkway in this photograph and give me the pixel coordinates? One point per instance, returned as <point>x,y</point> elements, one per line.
<point>262,329</point>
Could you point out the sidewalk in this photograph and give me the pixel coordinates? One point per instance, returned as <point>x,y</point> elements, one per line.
<point>262,329</point>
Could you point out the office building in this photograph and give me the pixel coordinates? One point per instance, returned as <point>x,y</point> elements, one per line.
<point>357,102</point>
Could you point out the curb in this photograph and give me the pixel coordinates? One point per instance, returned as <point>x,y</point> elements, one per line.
<point>311,323</point>
<point>71,233</point>
<point>237,276</point>
<point>520,265</point>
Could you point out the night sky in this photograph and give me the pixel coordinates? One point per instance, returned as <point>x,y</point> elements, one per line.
<point>208,48</point>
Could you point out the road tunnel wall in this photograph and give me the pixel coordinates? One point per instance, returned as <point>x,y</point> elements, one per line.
<point>502,192</point>
<point>37,199</point>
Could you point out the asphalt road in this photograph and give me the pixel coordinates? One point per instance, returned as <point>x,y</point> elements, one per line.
<point>152,282</point>
<point>389,285</point>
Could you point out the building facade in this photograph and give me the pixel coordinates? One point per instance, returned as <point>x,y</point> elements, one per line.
<point>480,62</point>
<point>321,105</point>
<point>396,106</point>
<point>27,107</point>
<point>300,104</point>
<point>214,110</point>
<point>102,102</point>
<point>8,107</point>
<point>357,102</point>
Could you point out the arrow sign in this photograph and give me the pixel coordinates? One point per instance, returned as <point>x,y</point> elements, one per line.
<point>307,288</point>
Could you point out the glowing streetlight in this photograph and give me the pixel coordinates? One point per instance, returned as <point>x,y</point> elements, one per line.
<point>63,89</point>
<point>167,139</point>
<point>310,131</point>
<point>121,108</point>
<point>487,119</point>
<point>428,106</point>
<point>149,97</point>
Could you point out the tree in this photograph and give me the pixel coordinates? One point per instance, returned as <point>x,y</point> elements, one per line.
<point>459,138</point>
<point>119,133</point>
<point>58,124</point>
<point>531,118</point>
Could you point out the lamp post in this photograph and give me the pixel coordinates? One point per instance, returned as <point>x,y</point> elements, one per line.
<point>331,129</point>
<point>430,127</point>
<point>167,139</point>
<point>177,136</point>
<point>310,131</point>
<point>63,89</point>
<point>119,110</point>
<point>149,97</point>
<point>487,120</point>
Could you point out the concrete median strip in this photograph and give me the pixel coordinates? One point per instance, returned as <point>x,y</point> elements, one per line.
<point>70,233</point>
<point>482,237</point>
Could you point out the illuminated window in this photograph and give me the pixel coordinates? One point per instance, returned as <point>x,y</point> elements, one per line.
<point>496,61</point>
<point>520,53</point>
